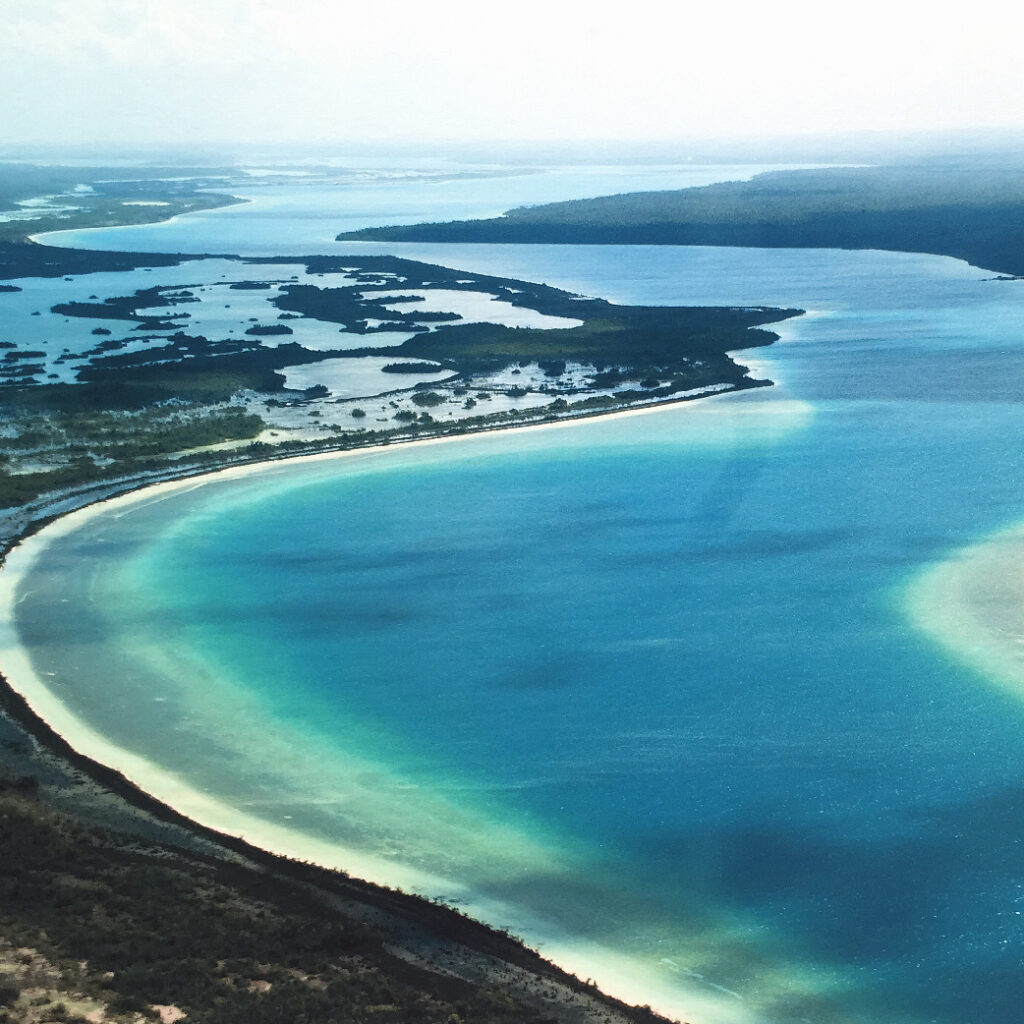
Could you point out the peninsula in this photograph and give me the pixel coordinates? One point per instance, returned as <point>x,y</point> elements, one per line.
<point>36,198</point>
<point>974,213</point>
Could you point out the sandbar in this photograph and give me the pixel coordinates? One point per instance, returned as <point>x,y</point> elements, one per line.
<point>973,606</point>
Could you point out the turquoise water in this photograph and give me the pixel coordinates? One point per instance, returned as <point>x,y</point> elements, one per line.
<point>646,683</point>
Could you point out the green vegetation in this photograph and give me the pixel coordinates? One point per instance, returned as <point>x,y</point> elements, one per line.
<point>409,368</point>
<point>126,307</point>
<point>202,379</point>
<point>269,330</point>
<point>88,447</point>
<point>173,392</point>
<point>92,919</point>
<point>19,488</point>
<point>27,259</point>
<point>972,213</point>
<point>128,435</point>
<point>688,344</point>
<point>354,308</point>
<point>428,398</point>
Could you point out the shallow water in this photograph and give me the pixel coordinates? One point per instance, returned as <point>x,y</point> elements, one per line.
<point>645,684</point>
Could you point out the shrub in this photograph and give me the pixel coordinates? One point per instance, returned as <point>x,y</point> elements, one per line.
<point>428,398</point>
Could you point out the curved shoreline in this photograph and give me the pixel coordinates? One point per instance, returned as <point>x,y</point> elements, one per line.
<point>163,794</point>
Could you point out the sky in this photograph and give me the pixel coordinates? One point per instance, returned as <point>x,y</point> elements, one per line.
<point>165,71</point>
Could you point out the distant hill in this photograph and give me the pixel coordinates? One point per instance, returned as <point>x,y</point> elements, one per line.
<point>972,213</point>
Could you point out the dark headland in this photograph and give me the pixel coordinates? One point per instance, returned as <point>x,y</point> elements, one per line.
<point>972,212</point>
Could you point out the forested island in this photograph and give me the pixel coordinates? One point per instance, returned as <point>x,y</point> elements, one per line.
<point>974,213</point>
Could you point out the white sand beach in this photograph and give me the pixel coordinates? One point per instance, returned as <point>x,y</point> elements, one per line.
<point>615,973</point>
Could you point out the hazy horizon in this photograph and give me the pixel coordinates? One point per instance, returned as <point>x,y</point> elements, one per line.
<point>994,147</point>
<point>141,73</point>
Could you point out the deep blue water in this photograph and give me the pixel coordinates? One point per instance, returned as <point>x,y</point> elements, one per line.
<point>670,649</point>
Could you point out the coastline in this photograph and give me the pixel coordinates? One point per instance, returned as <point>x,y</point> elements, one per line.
<point>946,633</point>
<point>135,777</point>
